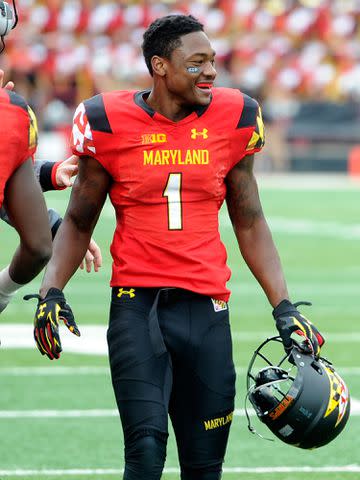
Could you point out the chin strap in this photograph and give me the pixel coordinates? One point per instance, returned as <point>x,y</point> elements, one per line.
<point>250,427</point>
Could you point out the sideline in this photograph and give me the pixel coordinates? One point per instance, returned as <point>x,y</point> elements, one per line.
<point>93,338</point>
<point>109,412</point>
<point>229,470</point>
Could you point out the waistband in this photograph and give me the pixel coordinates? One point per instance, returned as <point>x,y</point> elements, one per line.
<point>165,294</point>
<point>154,297</point>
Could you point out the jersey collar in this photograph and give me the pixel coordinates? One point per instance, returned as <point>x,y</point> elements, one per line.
<point>139,100</point>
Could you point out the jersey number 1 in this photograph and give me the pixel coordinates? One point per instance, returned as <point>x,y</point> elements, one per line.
<point>174,206</point>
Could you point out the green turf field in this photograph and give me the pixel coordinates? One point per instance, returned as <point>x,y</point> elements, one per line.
<point>59,420</point>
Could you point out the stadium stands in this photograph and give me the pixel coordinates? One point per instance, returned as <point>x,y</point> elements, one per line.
<point>283,52</point>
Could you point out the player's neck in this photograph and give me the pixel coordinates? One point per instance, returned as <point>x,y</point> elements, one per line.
<point>167,106</point>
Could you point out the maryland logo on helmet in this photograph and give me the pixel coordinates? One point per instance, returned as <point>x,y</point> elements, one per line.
<point>339,395</point>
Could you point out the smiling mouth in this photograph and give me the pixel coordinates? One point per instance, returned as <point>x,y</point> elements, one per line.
<point>205,88</point>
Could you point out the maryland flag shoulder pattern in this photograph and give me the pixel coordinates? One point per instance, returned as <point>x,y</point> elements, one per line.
<point>251,117</point>
<point>90,116</point>
<point>33,129</point>
<point>18,101</point>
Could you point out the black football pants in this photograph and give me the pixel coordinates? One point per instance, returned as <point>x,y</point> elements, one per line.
<point>170,353</point>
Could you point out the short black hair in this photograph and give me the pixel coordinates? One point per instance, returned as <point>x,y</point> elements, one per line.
<point>163,36</point>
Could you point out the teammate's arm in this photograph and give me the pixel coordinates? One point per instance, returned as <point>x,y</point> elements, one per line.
<point>25,206</point>
<point>72,239</point>
<point>56,175</point>
<point>259,252</point>
<point>252,231</point>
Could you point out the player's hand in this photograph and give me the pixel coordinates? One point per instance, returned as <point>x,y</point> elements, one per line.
<point>93,257</point>
<point>9,85</point>
<point>66,170</point>
<point>289,321</point>
<point>49,311</point>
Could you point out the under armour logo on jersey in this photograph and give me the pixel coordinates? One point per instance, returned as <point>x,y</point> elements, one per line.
<point>195,133</point>
<point>130,292</point>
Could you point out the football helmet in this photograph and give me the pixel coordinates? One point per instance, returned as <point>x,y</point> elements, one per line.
<point>302,400</point>
<point>8,20</point>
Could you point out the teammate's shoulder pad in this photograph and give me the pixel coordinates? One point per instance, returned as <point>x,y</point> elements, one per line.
<point>16,99</point>
<point>249,112</point>
<point>96,114</point>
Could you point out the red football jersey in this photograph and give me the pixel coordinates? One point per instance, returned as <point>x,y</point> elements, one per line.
<point>168,183</point>
<point>18,135</point>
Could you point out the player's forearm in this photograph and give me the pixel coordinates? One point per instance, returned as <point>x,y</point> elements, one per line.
<point>69,249</point>
<point>261,256</point>
<point>54,219</point>
<point>28,262</point>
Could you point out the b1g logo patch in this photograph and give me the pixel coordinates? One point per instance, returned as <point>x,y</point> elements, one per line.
<point>219,305</point>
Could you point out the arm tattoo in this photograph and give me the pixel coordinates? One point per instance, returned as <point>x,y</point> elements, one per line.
<point>242,195</point>
<point>87,199</point>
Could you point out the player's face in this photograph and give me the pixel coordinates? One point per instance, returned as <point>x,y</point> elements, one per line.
<point>191,71</point>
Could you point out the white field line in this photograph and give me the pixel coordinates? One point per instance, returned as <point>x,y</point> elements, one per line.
<point>260,336</point>
<point>313,228</point>
<point>93,338</point>
<point>308,181</point>
<point>285,225</point>
<point>229,470</point>
<point>55,370</point>
<point>110,412</point>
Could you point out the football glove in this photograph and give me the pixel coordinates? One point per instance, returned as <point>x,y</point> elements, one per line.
<point>289,321</point>
<point>49,311</point>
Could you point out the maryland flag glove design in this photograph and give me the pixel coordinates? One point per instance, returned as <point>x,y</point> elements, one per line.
<point>49,311</point>
<point>289,320</point>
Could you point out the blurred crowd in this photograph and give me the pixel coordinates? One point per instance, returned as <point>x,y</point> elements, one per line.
<point>279,51</point>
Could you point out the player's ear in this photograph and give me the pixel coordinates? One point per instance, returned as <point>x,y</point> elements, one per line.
<point>159,65</point>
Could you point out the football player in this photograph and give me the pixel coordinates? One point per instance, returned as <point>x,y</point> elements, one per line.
<point>21,201</point>
<point>21,195</point>
<point>57,176</point>
<point>168,158</point>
